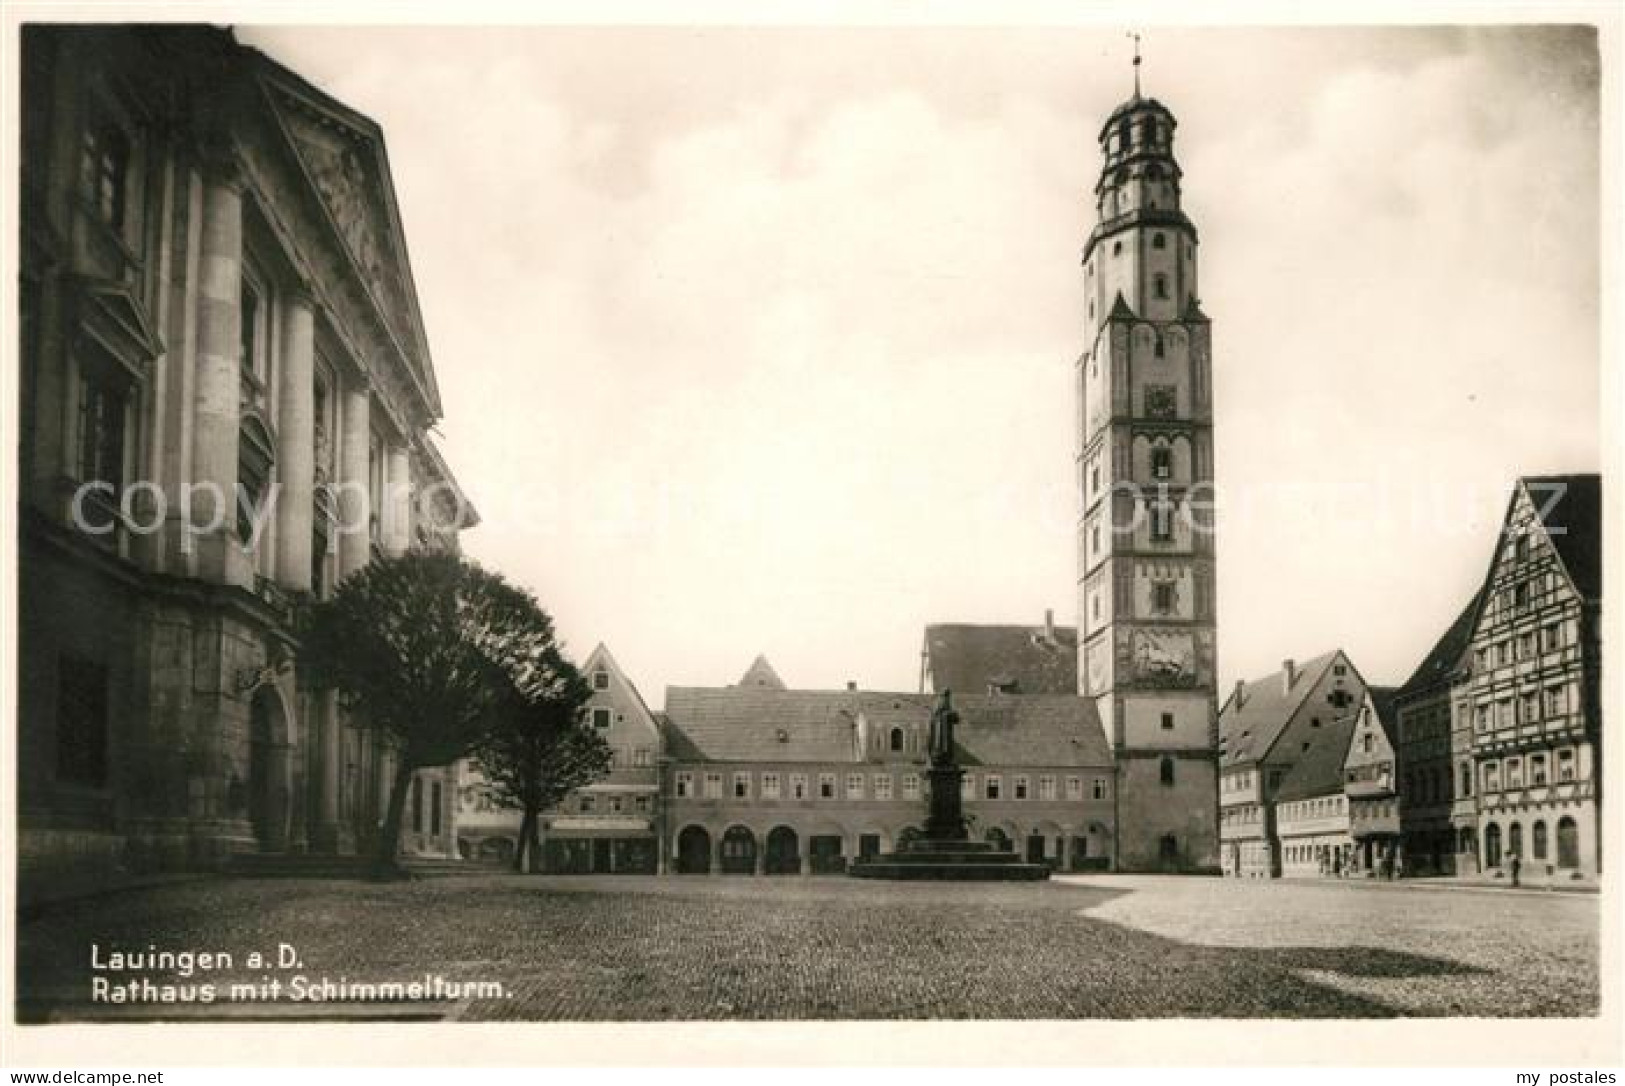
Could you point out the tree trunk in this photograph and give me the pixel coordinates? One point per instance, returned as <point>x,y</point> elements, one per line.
<point>527,833</point>
<point>385,863</point>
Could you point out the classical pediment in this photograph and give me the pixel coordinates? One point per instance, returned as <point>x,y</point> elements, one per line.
<point>342,153</point>
<point>109,314</point>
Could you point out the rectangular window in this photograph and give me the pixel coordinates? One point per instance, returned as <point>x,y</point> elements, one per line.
<point>883,786</point>
<point>641,804</point>
<point>990,789</point>
<point>1098,789</point>
<point>1492,777</point>
<point>770,786</point>
<point>1537,770</point>
<point>1556,703</point>
<point>600,680</point>
<point>1162,462</point>
<point>1520,595</point>
<point>640,757</point>
<point>1527,647</point>
<point>798,786</point>
<point>1565,765</point>
<point>1552,637</point>
<point>1503,713</point>
<point>1162,599</point>
<point>1046,787</point>
<point>741,786</point>
<point>1514,773</point>
<point>1167,722</point>
<point>685,785</point>
<point>81,722</point>
<point>826,786</point>
<point>1162,522</point>
<point>600,718</point>
<point>104,167</point>
<point>1021,788</point>
<point>967,787</point>
<point>1481,718</point>
<point>854,786</point>
<point>1531,708</point>
<point>589,803</point>
<point>103,413</point>
<point>713,786</point>
<point>1074,788</point>
<point>616,805</point>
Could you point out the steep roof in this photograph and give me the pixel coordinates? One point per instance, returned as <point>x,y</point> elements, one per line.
<point>1441,660</point>
<point>1572,518</point>
<point>740,724</point>
<point>761,674</point>
<point>1249,730</point>
<point>1319,769</point>
<point>970,659</point>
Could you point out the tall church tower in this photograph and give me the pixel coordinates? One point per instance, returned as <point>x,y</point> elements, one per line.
<point>1145,472</point>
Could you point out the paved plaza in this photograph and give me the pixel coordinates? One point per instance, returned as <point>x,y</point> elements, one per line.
<point>633,948</point>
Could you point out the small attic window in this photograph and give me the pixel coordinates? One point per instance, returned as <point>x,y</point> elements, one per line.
<point>1314,722</point>
<point>782,736</point>
<point>1306,746</point>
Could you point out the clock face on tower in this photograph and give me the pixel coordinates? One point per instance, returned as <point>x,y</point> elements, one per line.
<point>1161,401</point>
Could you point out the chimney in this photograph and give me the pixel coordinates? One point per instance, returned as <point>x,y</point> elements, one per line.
<point>1289,675</point>
<point>851,684</point>
<point>1049,624</point>
<point>1241,690</point>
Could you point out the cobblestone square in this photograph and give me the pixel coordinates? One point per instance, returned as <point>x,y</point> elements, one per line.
<point>634,948</point>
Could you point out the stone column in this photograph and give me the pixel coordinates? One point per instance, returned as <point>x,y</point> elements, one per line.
<point>761,859</point>
<point>806,856</point>
<point>217,378</point>
<point>355,502</point>
<point>398,510</point>
<point>1064,852</point>
<point>296,441</point>
<point>716,855</point>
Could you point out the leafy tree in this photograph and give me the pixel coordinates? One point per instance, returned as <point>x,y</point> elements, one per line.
<point>430,651</point>
<point>536,755</point>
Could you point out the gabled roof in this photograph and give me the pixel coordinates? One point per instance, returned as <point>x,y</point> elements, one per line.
<point>1572,518</point>
<point>740,724</point>
<point>761,674</point>
<point>969,660</point>
<point>1319,769</point>
<point>1249,731</point>
<point>600,658</point>
<point>1446,655</point>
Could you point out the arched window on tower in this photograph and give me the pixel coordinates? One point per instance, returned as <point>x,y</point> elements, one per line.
<point>1166,770</point>
<point>897,739</point>
<point>1159,286</point>
<point>1158,241</point>
<point>1125,135</point>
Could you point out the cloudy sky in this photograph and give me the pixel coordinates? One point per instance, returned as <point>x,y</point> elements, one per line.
<point>761,340</point>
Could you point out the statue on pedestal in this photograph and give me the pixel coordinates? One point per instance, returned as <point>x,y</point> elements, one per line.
<point>943,719</point>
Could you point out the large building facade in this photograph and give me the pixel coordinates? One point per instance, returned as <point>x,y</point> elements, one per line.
<point>1145,592</point>
<point>226,392</point>
<point>1535,681</point>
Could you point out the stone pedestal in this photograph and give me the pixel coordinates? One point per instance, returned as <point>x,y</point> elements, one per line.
<point>946,822</point>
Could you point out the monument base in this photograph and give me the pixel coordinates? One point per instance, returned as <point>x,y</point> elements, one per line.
<point>935,860</point>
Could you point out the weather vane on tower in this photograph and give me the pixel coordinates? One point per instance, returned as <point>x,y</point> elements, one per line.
<point>1136,38</point>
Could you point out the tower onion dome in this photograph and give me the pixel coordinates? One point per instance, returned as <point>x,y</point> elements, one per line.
<point>1139,181</point>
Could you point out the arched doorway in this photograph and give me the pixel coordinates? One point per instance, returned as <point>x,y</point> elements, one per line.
<point>268,791</point>
<point>738,851</point>
<point>1492,845</point>
<point>1568,843</point>
<point>1538,844</point>
<point>693,851</point>
<point>1168,852</point>
<point>783,852</point>
<point>1515,840</point>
